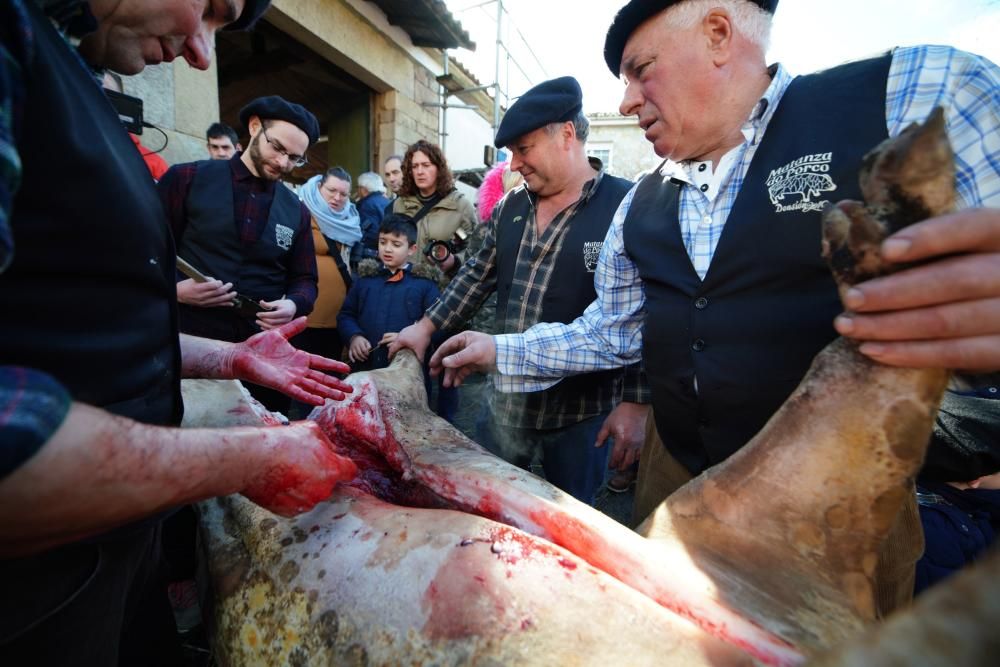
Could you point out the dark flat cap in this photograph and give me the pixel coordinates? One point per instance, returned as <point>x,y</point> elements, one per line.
<point>965,444</point>
<point>273,107</point>
<point>634,14</point>
<point>252,10</point>
<point>553,101</point>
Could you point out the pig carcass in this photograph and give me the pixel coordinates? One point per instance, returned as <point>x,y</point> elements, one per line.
<point>440,553</point>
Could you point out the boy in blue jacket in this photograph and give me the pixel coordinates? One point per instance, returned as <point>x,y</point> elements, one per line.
<point>388,296</point>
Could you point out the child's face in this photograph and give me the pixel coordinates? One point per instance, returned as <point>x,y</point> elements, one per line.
<point>394,250</point>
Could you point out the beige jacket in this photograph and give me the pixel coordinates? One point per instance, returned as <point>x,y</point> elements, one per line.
<point>453,212</point>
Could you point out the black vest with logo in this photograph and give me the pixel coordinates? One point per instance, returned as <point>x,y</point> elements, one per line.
<point>571,286</point>
<point>750,330</point>
<point>212,243</point>
<point>90,295</point>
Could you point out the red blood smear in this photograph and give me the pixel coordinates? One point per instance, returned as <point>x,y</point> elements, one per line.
<point>291,489</point>
<point>351,429</point>
<point>381,460</point>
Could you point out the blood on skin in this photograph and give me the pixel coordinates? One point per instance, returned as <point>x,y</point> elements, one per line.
<point>488,506</point>
<point>579,539</point>
<point>359,433</point>
<point>486,609</point>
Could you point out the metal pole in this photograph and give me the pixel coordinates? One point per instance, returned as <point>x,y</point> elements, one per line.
<point>496,91</point>
<point>444,107</point>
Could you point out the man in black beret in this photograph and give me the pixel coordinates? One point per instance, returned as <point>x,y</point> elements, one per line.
<point>538,255</point>
<point>235,223</point>
<point>90,356</point>
<point>716,265</point>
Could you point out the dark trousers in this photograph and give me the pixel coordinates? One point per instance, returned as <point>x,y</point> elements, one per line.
<point>568,456</point>
<point>97,604</point>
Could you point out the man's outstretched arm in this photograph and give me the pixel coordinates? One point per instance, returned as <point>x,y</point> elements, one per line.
<point>607,335</point>
<point>267,359</point>
<point>99,471</point>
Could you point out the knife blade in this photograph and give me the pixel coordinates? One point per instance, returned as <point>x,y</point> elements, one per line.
<point>243,304</point>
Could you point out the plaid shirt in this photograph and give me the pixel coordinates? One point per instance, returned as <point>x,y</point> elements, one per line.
<point>536,259</point>
<point>609,333</point>
<point>252,199</point>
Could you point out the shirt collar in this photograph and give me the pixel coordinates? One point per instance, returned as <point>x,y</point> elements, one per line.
<point>765,108</point>
<point>405,268</point>
<point>589,188</point>
<point>242,173</point>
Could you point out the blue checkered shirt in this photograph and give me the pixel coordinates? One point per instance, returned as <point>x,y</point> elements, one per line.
<point>609,333</point>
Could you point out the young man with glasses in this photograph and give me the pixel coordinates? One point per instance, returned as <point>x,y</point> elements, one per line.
<point>234,223</point>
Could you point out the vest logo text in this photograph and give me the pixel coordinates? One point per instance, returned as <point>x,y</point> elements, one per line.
<point>591,251</point>
<point>798,185</point>
<point>283,236</point>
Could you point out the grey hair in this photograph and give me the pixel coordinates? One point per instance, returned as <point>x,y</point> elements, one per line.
<point>371,182</point>
<point>581,124</point>
<point>748,18</point>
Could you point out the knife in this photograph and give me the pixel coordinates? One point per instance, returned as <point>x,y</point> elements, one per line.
<point>244,304</point>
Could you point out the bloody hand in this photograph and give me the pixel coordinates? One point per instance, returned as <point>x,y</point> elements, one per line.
<point>269,359</point>
<point>301,470</point>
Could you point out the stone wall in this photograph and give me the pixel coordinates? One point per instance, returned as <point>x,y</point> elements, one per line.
<point>400,80</point>
<point>184,102</point>
<point>631,153</point>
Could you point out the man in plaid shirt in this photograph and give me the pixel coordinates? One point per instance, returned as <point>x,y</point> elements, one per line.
<point>539,254</point>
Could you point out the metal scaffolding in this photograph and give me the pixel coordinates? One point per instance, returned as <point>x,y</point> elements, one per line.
<point>504,60</point>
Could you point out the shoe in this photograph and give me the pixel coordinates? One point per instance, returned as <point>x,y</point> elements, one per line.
<point>622,481</point>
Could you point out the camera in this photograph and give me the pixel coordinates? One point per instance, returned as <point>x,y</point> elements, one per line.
<point>128,108</point>
<point>439,251</point>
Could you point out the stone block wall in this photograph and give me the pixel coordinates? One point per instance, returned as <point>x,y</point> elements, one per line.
<point>182,102</point>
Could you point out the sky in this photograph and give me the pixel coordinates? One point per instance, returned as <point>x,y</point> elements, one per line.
<point>550,38</point>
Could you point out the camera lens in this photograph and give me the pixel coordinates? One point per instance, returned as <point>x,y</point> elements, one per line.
<point>439,252</point>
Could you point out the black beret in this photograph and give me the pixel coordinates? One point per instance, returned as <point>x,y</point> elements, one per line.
<point>552,101</point>
<point>252,10</point>
<point>273,107</point>
<point>634,14</point>
<point>966,440</point>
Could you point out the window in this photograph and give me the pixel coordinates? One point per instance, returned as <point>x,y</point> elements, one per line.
<point>602,151</point>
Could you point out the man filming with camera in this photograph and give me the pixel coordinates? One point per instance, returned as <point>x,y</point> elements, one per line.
<point>539,254</point>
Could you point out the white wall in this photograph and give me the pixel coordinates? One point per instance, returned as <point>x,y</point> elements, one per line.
<point>468,133</point>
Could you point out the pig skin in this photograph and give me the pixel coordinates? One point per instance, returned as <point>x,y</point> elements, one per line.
<point>387,412</point>
<point>772,551</point>
<point>361,581</point>
<point>954,624</point>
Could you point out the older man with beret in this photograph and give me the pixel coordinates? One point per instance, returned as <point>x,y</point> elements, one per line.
<point>538,255</point>
<point>718,269</point>
<point>90,357</point>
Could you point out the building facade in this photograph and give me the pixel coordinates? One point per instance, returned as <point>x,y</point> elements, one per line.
<point>620,143</point>
<point>374,72</point>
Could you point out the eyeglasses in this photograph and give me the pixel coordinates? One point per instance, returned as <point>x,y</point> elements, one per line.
<point>296,160</point>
